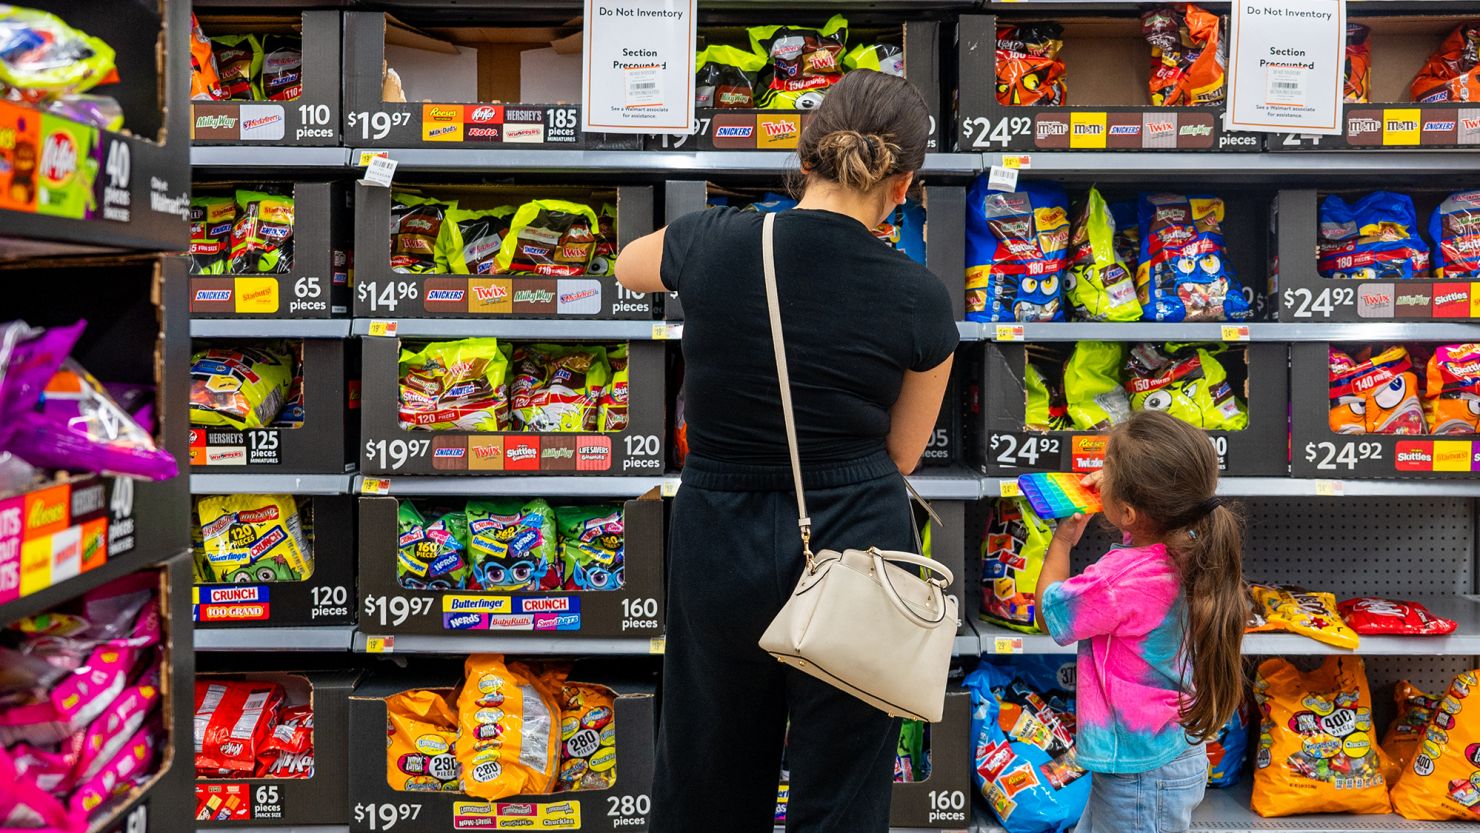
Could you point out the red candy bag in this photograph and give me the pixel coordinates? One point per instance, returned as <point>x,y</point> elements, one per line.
<point>1372,616</point>
<point>294,733</point>
<point>232,722</point>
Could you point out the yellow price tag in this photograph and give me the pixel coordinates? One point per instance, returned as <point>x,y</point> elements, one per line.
<point>380,644</point>
<point>1235,332</point>
<point>1007,645</point>
<point>375,486</point>
<point>1009,488</point>
<point>1330,488</point>
<point>384,329</point>
<point>1019,161</point>
<point>657,644</point>
<point>1009,332</point>
<point>664,331</point>
<point>669,487</point>
<point>367,155</point>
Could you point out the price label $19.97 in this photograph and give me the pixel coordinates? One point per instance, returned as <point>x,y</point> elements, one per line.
<point>385,816</point>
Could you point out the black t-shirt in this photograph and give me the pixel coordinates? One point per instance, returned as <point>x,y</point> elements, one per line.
<point>856,315</point>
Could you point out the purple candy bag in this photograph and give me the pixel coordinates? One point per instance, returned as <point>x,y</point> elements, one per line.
<point>29,358</point>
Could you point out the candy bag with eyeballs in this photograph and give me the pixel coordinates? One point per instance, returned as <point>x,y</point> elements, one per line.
<point>1381,617</point>
<point>725,77</point>
<point>1317,750</point>
<point>605,257</point>
<point>421,730</point>
<point>1377,237</point>
<point>1099,286</point>
<point>1452,73</point>
<point>1187,56</point>
<point>911,758</point>
<point>1029,70</point>
<point>1452,396</point>
<point>211,220</point>
<point>1046,408</point>
<point>1377,395</point>
<point>1014,545</point>
<point>588,738</point>
<point>239,387</point>
<point>455,385</point>
<point>262,236</point>
<point>254,538</point>
<point>592,546</point>
<point>1228,751</point>
<point>469,240</point>
<point>416,228</point>
<point>1455,229</point>
<point>508,738</point>
<point>1406,732</point>
<point>1184,272</point>
<point>879,57</point>
<point>1443,779</point>
<point>1186,381</point>
<point>205,78</point>
<point>612,415</point>
<point>802,58</point>
<point>1092,385</point>
<point>1357,71</point>
<point>1304,613</point>
<point>512,545</point>
<point>239,60</point>
<point>548,237</point>
<point>1016,252</point>
<point>41,57</point>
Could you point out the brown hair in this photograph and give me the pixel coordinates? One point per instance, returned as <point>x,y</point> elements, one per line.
<point>870,126</point>
<point>1168,471</point>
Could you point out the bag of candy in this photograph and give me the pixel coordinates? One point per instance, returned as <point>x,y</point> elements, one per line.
<point>239,61</point>
<point>592,546</point>
<point>211,221</point>
<point>512,546</point>
<point>416,228</point>
<point>1452,395</point>
<point>1443,780</point>
<point>549,237</point>
<point>1317,753</point>
<point>1092,385</point>
<point>282,67</point>
<point>1187,56</point>
<point>1377,395</point>
<point>1357,74</point>
<point>41,57</point>
<point>233,719</point>
<point>1230,749</point>
<point>1014,544</point>
<point>1046,408</point>
<point>254,538</point>
<point>262,236</point>
<point>802,58</point>
<point>1373,616</point>
<point>1453,72</point>
<point>128,768</point>
<point>239,387</point>
<point>1127,217</point>
<point>105,737</point>
<point>558,389</point>
<point>1304,613</point>
<point>1377,237</point>
<point>588,738</point>
<point>1029,70</point>
<point>508,741</point>
<point>1455,229</point>
<point>205,78</point>
<point>612,415</point>
<point>911,757</point>
<point>470,238</point>
<point>1016,252</point>
<point>603,261</point>
<point>415,549</point>
<point>421,732</point>
<point>725,77</point>
<point>455,385</point>
<point>450,567</point>
<point>879,57</point>
<point>1184,273</point>
<point>1406,732</point>
<point>1186,381</point>
<point>1100,287</point>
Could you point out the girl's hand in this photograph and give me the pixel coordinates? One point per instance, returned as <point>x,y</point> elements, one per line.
<point>1071,529</point>
<point>1092,480</point>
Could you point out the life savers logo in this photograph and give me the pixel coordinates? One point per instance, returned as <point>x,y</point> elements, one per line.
<point>212,295</point>
<point>58,158</point>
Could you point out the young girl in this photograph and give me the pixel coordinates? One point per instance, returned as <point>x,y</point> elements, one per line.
<point>1159,623</point>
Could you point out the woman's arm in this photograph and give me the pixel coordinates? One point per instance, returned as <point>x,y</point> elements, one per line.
<point>915,413</point>
<point>640,263</point>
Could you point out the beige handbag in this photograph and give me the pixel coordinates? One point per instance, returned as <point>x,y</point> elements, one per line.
<point>856,620</point>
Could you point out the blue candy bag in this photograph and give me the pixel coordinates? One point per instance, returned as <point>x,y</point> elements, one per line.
<point>1228,751</point>
<point>1184,273</point>
<point>1026,771</point>
<point>1374,238</point>
<point>1017,252</point>
<point>1455,229</point>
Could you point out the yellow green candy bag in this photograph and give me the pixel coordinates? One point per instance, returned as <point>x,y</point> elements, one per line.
<point>1100,287</point>
<point>549,237</point>
<point>254,538</point>
<point>1092,385</point>
<point>1187,382</point>
<point>470,239</point>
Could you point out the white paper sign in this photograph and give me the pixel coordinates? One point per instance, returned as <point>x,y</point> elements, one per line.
<point>637,66</point>
<point>1002,179</point>
<point>1286,66</point>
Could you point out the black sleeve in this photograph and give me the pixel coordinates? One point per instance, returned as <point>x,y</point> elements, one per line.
<point>934,323</point>
<point>678,239</point>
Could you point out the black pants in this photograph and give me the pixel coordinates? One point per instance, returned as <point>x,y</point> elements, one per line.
<point>734,557</point>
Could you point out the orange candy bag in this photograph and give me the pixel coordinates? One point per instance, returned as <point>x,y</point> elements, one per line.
<point>1443,780</point>
<point>421,731</point>
<point>1452,396</point>
<point>1299,612</point>
<point>1453,72</point>
<point>508,742</point>
<point>1377,395</point>
<point>1317,748</point>
<point>1358,74</point>
<point>588,737</point>
<point>1029,71</point>
<point>1187,56</point>
<point>1406,731</point>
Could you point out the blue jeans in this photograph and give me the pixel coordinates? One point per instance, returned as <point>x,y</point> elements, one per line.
<point>1158,801</point>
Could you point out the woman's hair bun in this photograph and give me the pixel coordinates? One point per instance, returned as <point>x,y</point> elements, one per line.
<point>853,159</point>
<point>869,127</point>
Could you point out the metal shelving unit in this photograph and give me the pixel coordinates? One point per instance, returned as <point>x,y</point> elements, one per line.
<point>293,484</point>
<point>269,328</point>
<point>1303,487</point>
<point>331,638</point>
<point>283,158</point>
<point>1254,331</point>
<point>1246,168</point>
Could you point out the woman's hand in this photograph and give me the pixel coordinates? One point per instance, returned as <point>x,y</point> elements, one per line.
<point>1071,529</point>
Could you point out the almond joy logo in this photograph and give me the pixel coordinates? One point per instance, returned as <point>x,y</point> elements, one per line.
<point>59,158</point>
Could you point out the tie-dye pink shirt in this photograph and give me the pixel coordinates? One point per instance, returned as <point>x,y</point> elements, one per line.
<point>1126,611</point>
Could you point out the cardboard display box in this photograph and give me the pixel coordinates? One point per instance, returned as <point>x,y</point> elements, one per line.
<point>324,444</point>
<point>1400,46</point>
<point>382,292</point>
<point>318,284</point>
<point>1259,450</point>
<point>327,597</point>
<point>624,807</point>
<point>721,128</point>
<point>634,610</point>
<point>1305,296</point>
<point>473,87</point>
<point>320,799</point>
<point>952,440</point>
<point>1317,451</point>
<point>311,120</point>
<point>640,449</point>
<point>1107,63</point>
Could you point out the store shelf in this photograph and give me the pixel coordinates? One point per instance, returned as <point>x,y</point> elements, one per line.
<point>261,484</point>
<point>1285,169</point>
<point>1302,487</point>
<point>336,638</point>
<point>556,486</point>
<point>293,828</point>
<point>465,160</point>
<point>585,329</point>
<point>968,640</point>
<point>269,328</point>
<point>1257,331</point>
<point>529,645</point>
<point>1225,810</point>
<point>233,158</point>
<point>947,483</point>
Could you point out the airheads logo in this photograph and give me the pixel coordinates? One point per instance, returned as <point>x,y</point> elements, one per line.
<point>59,158</point>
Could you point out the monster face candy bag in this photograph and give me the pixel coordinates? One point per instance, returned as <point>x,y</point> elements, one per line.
<point>1406,731</point>
<point>1092,385</point>
<point>240,388</point>
<point>1100,287</point>
<point>1186,56</point>
<point>1455,229</point>
<point>1317,751</point>
<point>1375,238</point>
<point>606,241</point>
<point>512,546</point>
<point>470,240</point>
<point>549,237</point>
<point>254,538</point>
<point>1228,751</point>
<point>508,741</point>
<point>1184,273</point>
<point>420,732</point>
<point>262,238</point>
<point>211,219</point>
<point>592,547</point>
<point>1016,252</point>
<point>1186,382</point>
<point>1029,71</point>
<point>911,757</point>
<point>239,62</point>
<point>588,738</point>
<point>431,556</point>
<point>1452,396</point>
<point>1453,72</point>
<point>1014,545</point>
<point>802,58</point>
<point>1443,780</point>
<point>1375,396</point>
<point>416,225</point>
<point>1358,70</point>
<point>558,389</point>
<point>725,77</point>
<point>455,385</point>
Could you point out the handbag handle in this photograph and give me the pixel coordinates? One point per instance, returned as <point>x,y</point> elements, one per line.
<point>939,584</point>
<point>778,344</point>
